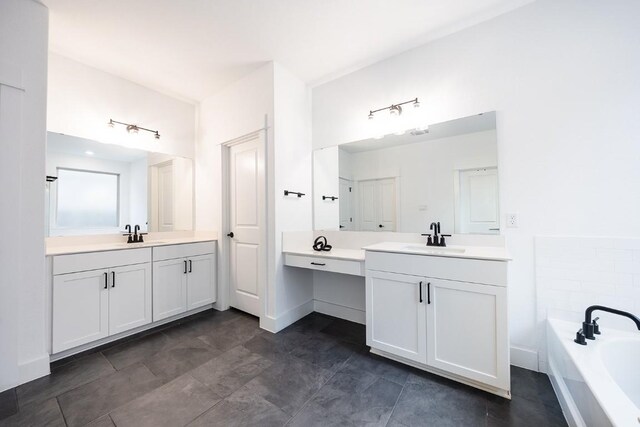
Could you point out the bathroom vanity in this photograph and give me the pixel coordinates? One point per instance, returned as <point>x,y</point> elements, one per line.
<point>103,292</point>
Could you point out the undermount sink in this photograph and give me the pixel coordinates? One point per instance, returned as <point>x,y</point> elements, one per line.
<point>138,245</point>
<point>435,249</point>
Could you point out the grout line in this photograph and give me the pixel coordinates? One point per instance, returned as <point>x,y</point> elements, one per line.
<point>64,418</point>
<point>397,400</point>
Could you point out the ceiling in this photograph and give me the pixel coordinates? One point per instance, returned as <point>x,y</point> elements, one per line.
<point>67,144</point>
<point>192,48</point>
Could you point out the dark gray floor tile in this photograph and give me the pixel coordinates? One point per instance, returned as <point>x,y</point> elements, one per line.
<point>522,412</point>
<point>533,386</point>
<point>8,403</point>
<point>42,413</point>
<point>182,357</point>
<point>103,421</point>
<point>243,409</point>
<point>289,383</point>
<point>137,350</point>
<point>233,334</point>
<point>326,353</point>
<point>428,400</point>
<point>174,404</point>
<point>365,362</point>
<point>202,324</point>
<point>346,331</point>
<point>93,400</point>
<point>231,370</point>
<point>65,378</point>
<point>313,322</point>
<point>272,349</point>
<point>350,400</point>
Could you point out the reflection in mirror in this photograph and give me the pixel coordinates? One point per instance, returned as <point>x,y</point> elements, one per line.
<point>404,182</point>
<point>102,187</point>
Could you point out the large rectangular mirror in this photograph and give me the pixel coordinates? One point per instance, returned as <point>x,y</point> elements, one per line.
<point>402,183</point>
<point>96,188</point>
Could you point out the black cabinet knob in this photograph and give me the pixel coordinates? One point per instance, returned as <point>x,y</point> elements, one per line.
<point>230,235</point>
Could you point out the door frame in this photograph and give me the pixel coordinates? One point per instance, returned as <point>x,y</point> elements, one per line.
<point>457,172</point>
<point>225,247</point>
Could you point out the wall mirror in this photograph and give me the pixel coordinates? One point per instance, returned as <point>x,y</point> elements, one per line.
<point>402,183</point>
<point>96,188</point>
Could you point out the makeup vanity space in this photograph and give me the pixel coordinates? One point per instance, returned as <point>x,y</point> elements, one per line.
<point>442,309</point>
<point>121,253</point>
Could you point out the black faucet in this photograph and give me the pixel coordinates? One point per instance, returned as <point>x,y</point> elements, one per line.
<point>434,239</point>
<point>128,233</point>
<point>591,327</point>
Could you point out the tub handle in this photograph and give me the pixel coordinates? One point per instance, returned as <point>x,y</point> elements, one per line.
<point>580,339</point>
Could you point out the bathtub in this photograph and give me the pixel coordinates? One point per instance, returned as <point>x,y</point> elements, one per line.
<point>597,384</point>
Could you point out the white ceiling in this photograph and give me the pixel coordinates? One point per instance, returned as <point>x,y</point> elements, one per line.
<point>192,48</point>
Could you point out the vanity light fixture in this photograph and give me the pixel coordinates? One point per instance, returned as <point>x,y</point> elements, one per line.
<point>395,109</point>
<point>134,128</point>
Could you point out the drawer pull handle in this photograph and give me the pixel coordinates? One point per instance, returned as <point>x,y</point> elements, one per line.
<point>420,287</point>
<point>190,266</point>
<point>428,292</point>
<point>185,266</point>
<point>106,279</point>
<point>318,263</point>
<point>113,279</point>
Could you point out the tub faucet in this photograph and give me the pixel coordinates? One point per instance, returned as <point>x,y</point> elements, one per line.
<point>590,327</point>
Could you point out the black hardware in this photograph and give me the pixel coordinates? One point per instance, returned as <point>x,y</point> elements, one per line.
<point>134,128</point>
<point>332,198</point>
<point>589,327</point>
<point>443,243</point>
<point>321,244</point>
<point>428,292</point>
<point>318,263</point>
<point>230,235</point>
<point>51,178</point>
<point>129,238</point>
<point>596,327</point>
<point>395,107</point>
<point>136,239</point>
<point>287,192</point>
<point>113,279</point>
<point>580,338</point>
<point>190,265</point>
<point>436,239</point>
<point>341,226</point>
<point>429,241</point>
<point>420,286</point>
<point>185,266</point>
<point>380,226</point>
<point>106,279</point>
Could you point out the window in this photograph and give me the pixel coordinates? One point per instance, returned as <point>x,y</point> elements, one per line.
<point>87,199</point>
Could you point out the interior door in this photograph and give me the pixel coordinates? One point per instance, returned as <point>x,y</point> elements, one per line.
<point>396,315</point>
<point>479,207</point>
<point>129,297</point>
<point>344,197</point>
<point>165,197</point>
<point>386,209</point>
<point>80,308</point>
<point>169,288</point>
<point>246,212</point>
<point>368,218</point>
<point>201,277</point>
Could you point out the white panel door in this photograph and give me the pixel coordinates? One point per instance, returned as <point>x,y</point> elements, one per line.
<point>129,297</point>
<point>386,201</point>
<point>479,207</point>
<point>467,331</point>
<point>165,197</point>
<point>169,288</point>
<point>367,206</point>
<point>344,199</point>
<point>201,281</point>
<point>246,210</point>
<point>80,308</point>
<point>396,314</point>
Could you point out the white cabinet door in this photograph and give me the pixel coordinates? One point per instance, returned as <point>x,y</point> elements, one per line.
<point>467,331</point>
<point>169,288</point>
<point>396,314</point>
<point>80,308</point>
<point>201,281</point>
<point>129,297</point>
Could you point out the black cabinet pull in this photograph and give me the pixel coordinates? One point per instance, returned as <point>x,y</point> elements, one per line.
<point>106,279</point>
<point>113,279</point>
<point>185,266</point>
<point>420,286</point>
<point>318,263</point>
<point>190,269</point>
<point>428,292</point>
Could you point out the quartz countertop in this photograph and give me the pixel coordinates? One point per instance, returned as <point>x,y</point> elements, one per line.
<point>334,253</point>
<point>491,253</point>
<point>52,250</point>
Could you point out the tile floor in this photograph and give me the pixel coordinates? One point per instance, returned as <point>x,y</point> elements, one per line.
<point>220,369</point>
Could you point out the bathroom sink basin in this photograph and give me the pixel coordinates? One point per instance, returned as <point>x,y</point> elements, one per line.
<point>436,250</point>
<point>139,245</point>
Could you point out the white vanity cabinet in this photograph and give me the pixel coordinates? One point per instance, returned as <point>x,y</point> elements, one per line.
<point>442,314</point>
<point>99,294</point>
<point>184,278</point>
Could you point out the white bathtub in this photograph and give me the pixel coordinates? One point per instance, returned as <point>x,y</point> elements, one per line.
<point>597,384</point>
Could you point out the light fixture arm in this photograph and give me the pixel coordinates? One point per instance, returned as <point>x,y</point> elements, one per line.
<point>131,127</point>
<point>395,106</point>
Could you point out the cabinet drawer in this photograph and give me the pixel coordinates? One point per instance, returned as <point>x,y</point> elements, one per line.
<point>185,250</point>
<point>462,269</point>
<point>63,264</point>
<point>355,268</point>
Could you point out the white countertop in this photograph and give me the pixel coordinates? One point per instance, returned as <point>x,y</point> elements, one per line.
<point>492,253</point>
<point>116,246</point>
<point>335,253</point>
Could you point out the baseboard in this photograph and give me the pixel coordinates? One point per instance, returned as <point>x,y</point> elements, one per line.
<point>340,311</point>
<point>33,369</point>
<point>276,324</point>
<point>524,358</point>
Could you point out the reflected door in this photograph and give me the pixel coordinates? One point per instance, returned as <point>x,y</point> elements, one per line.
<point>165,197</point>
<point>346,193</point>
<point>479,208</point>
<point>377,205</point>
<point>246,207</point>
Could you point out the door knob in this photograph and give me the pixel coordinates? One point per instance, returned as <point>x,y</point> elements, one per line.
<point>230,235</point>
<point>380,226</point>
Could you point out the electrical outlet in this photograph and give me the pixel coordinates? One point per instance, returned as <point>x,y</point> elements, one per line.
<point>512,220</point>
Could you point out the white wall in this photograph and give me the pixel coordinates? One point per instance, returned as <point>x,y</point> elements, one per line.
<point>82,99</point>
<point>23,90</point>
<point>563,77</point>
